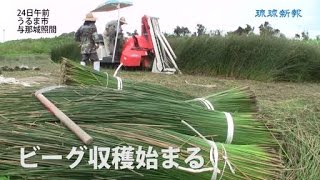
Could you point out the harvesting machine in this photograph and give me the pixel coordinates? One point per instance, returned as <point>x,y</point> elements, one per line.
<point>149,50</point>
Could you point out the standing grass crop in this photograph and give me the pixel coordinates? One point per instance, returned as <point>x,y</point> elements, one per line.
<point>241,57</point>
<point>249,57</point>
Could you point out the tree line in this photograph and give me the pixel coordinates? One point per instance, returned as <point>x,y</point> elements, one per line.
<point>265,29</point>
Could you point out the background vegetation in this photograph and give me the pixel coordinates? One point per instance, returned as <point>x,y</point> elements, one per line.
<point>248,57</point>
<point>33,47</point>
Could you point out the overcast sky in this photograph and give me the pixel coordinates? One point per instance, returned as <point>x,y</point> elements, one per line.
<point>225,15</point>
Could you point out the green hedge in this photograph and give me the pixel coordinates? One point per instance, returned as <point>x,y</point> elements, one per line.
<point>32,46</point>
<point>69,50</point>
<point>253,57</point>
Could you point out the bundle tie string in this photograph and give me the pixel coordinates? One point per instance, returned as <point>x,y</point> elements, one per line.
<point>120,86</point>
<point>229,118</point>
<point>213,151</point>
<point>107,79</point>
<point>226,162</point>
<point>119,83</point>
<point>213,157</point>
<point>230,128</point>
<point>205,102</point>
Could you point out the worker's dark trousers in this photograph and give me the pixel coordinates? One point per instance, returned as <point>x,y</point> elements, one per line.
<point>91,56</point>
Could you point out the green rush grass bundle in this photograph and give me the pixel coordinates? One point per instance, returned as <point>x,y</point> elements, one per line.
<point>89,105</point>
<point>75,74</point>
<point>233,100</point>
<point>247,161</point>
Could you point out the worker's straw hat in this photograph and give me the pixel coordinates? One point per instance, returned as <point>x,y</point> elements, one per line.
<point>123,20</point>
<point>90,17</point>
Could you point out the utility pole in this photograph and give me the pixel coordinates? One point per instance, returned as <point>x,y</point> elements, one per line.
<point>3,35</point>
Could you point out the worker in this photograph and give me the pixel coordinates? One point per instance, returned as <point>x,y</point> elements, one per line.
<point>110,32</point>
<point>88,37</point>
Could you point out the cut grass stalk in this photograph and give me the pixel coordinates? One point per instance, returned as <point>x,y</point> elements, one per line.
<point>96,104</point>
<point>233,100</point>
<point>249,161</point>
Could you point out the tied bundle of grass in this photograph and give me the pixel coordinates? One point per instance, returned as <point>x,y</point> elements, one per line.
<point>88,105</point>
<point>75,74</point>
<point>246,161</point>
<point>233,100</point>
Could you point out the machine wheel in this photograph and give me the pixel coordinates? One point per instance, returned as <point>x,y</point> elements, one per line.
<point>145,64</point>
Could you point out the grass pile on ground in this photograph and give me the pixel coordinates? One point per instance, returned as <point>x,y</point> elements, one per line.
<point>31,124</point>
<point>113,106</point>
<point>253,57</point>
<point>249,161</point>
<point>233,100</point>
<point>298,119</point>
